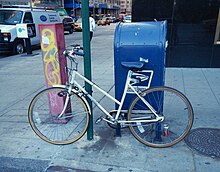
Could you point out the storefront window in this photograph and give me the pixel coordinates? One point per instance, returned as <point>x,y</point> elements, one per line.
<point>193,29</point>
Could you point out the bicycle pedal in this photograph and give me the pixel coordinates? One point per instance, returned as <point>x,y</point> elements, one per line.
<point>99,120</point>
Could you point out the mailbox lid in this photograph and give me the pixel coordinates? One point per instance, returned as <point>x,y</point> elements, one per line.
<point>141,33</point>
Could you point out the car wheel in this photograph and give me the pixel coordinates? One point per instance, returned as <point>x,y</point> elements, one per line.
<point>71,30</point>
<point>18,46</point>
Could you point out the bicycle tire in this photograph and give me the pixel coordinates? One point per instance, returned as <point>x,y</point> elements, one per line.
<point>173,106</point>
<point>44,110</point>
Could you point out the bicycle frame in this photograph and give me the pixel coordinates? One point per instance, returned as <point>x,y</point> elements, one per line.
<point>128,84</point>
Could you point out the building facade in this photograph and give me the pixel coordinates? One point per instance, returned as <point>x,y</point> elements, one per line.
<point>48,3</point>
<point>45,3</point>
<point>99,8</point>
<point>14,2</point>
<point>125,7</point>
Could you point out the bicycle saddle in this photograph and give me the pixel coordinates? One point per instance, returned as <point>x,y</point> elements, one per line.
<point>133,65</point>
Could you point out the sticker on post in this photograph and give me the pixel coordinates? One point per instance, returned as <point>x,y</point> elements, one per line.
<point>45,40</point>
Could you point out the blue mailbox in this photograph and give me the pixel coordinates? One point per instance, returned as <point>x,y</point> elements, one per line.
<point>136,40</point>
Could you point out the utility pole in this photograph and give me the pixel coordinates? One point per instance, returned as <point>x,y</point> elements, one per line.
<point>87,60</point>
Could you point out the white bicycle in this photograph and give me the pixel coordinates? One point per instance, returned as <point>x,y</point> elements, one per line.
<point>157,117</point>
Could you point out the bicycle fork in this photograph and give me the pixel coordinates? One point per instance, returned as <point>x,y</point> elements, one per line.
<point>68,94</point>
<point>69,89</point>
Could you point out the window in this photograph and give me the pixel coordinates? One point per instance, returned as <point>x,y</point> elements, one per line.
<point>28,18</point>
<point>10,17</point>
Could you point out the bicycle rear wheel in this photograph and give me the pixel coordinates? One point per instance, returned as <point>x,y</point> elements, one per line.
<point>169,103</point>
<point>43,115</point>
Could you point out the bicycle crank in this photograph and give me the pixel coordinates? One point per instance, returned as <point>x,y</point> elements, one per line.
<point>122,116</point>
<point>98,120</point>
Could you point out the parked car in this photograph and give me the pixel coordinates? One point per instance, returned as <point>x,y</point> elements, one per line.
<point>61,11</point>
<point>127,19</point>
<point>112,19</point>
<point>103,21</point>
<point>78,25</point>
<point>107,21</point>
<point>9,17</point>
<point>68,24</point>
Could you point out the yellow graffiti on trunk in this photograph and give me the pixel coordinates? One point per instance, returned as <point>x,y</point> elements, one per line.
<point>50,55</point>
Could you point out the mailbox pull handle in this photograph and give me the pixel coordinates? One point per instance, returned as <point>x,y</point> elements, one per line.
<point>143,60</point>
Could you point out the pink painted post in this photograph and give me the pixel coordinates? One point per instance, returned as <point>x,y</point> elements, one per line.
<point>52,46</point>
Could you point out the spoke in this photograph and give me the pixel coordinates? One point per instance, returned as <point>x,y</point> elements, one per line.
<point>176,111</point>
<point>46,124</point>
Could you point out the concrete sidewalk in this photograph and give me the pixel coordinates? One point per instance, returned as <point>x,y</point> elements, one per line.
<point>21,77</point>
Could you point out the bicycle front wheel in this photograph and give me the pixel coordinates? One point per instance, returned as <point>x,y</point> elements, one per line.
<point>43,114</point>
<point>167,102</point>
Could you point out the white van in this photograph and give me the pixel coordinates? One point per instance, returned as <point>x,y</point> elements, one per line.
<point>9,17</point>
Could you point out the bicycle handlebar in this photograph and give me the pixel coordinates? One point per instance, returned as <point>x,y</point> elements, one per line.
<point>74,51</point>
<point>77,46</point>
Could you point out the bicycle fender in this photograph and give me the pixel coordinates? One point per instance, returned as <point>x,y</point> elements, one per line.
<point>83,98</point>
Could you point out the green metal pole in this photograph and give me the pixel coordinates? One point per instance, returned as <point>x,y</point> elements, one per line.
<point>87,59</point>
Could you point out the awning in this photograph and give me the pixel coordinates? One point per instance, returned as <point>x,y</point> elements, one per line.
<point>103,6</point>
<point>70,5</point>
